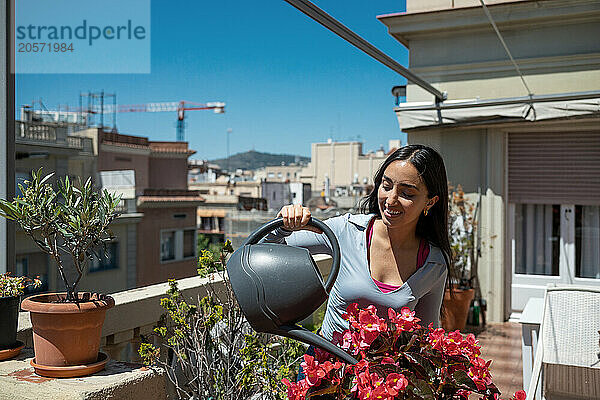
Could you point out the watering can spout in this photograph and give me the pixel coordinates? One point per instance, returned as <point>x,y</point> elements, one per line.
<point>306,336</point>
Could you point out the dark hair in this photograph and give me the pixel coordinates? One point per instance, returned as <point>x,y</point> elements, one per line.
<point>430,166</point>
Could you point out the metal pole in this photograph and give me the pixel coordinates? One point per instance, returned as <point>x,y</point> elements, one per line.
<point>114,110</point>
<point>229,130</point>
<point>102,110</point>
<point>342,31</point>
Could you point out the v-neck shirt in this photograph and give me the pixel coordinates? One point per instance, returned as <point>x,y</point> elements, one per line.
<point>422,254</point>
<point>422,292</point>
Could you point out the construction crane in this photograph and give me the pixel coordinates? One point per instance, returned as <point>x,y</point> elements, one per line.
<point>95,105</point>
<point>180,107</point>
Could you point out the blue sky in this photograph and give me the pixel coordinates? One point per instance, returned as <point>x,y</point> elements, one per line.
<point>287,81</point>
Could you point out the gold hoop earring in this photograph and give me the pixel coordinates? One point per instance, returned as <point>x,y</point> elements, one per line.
<point>425,212</point>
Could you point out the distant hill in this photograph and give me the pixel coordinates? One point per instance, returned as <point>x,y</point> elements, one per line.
<point>255,159</point>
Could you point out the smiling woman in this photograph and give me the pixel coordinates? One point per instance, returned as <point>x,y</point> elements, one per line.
<point>396,253</point>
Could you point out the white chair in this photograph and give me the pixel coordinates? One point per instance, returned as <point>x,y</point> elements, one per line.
<point>568,349</point>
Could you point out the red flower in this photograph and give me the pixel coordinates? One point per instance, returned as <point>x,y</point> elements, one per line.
<point>405,320</point>
<point>480,373</point>
<point>520,395</point>
<point>313,371</point>
<point>396,383</point>
<point>343,340</point>
<point>351,314</point>
<point>295,390</point>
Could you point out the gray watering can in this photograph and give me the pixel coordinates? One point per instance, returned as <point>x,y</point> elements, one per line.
<point>278,285</point>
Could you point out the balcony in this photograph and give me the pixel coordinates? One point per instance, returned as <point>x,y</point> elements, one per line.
<point>51,134</point>
<point>136,312</point>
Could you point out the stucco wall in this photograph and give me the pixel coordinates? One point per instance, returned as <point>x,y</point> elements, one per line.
<point>168,173</point>
<point>475,159</point>
<point>414,6</point>
<point>150,270</point>
<point>117,158</point>
<point>110,280</point>
<point>341,162</point>
<point>553,41</point>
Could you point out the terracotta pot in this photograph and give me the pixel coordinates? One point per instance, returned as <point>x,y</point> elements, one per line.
<point>456,309</point>
<point>9,318</point>
<point>66,334</point>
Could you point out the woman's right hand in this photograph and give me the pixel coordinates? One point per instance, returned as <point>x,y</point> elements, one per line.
<point>295,218</point>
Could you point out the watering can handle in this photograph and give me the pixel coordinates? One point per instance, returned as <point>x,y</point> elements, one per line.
<point>276,223</point>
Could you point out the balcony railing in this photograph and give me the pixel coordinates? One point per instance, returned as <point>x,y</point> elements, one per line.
<point>51,134</point>
<point>34,131</point>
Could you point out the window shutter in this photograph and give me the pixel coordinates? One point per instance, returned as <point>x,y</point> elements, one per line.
<point>554,167</point>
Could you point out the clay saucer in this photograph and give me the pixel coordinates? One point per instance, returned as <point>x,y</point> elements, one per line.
<point>10,353</point>
<point>71,371</point>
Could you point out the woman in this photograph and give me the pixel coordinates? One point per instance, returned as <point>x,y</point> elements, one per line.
<point>394,254</point>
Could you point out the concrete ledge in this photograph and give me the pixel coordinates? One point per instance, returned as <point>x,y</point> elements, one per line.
<point>133,308</point>
<point>136,311</point>
<point>118,381</point>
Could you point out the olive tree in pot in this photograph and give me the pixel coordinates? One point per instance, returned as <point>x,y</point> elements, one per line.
<point>71,224</point>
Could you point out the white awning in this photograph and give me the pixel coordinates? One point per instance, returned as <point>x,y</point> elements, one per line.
<point>469,112</point>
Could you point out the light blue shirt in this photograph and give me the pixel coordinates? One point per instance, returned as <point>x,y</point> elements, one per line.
<point>422,292</point>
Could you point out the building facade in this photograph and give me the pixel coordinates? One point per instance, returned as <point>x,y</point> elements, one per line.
<point>57,148</point>
<point>529,154</point>
<point>166,232</point>
<point>343,166</point>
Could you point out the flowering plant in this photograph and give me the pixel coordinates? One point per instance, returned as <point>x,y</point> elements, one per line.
<point>11,286</point>
<point>399,359</point>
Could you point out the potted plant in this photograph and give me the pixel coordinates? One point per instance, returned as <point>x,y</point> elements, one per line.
<point>71,225</point>
<point>398,359</point>
<point>208,349</point>
<point>11,288</point>
<point>462,226</point>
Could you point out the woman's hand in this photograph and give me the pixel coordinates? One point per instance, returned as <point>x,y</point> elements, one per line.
<point>295,218</point>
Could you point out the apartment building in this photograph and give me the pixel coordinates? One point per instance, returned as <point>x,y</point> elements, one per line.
<point>343,166</point>
<point>166,232</point>
<point>155,235</point>
<point>57,148</point>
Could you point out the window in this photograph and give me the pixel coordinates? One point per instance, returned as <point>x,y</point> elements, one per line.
<point>177,245</point>
<point>167,246</point>
<point>207,223</point>
<point>537,234</point>
<point>109,259</point>
<point>587,242</point>
<point>270,175</point>
<point>189,243</point>
<point>21,266</point>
